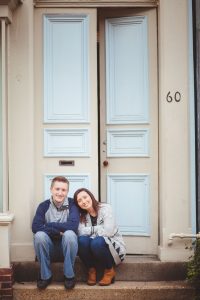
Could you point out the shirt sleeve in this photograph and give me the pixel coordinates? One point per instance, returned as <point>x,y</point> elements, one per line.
<point>55,228</point>
<point>72,221</point>
<point>39,219</point>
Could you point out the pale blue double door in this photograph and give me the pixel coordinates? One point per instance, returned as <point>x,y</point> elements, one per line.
<point>99,122</point>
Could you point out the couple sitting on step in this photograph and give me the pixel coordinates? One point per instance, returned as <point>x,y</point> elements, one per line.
<point>57,223</point>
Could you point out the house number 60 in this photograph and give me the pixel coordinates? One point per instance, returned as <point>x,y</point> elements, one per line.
<point>176,97</point>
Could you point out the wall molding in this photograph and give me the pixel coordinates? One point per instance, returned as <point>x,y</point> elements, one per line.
<point>196,29</point>
<point>22,252</point>
<point>96,3</point>
<point>12,4</point>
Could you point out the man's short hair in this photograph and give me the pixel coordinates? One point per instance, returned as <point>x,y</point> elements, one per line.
<point>60,179</point>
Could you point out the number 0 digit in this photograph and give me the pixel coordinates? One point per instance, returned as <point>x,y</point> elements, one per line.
<point>177,97</point>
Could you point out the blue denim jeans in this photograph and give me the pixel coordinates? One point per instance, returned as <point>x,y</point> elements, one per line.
<point>46,250</point>
<point>93,251</point>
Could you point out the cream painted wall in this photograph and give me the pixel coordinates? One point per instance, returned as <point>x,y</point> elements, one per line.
<point>21,131</point>
<point>174,181</point>
<point>174,128</point>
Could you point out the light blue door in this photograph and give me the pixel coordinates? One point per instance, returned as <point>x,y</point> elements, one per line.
<point>129,124</point>
<point>66,99</point>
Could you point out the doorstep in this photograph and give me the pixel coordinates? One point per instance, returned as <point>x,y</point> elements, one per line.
<point>121,290</point>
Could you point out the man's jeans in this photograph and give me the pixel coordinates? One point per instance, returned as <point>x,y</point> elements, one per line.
<point>46,250</point>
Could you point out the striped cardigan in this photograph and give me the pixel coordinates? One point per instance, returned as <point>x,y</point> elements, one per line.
<point>106,228</point>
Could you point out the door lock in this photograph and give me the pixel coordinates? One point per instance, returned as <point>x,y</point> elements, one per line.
<point>105,163</point>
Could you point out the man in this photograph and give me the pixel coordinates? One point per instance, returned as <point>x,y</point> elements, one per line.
<point>55,226</point>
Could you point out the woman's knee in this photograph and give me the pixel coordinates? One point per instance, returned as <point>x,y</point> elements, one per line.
<point>98,243</point>
<point>83,242</point>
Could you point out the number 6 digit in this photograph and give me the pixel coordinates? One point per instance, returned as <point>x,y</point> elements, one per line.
<point>169,97</point>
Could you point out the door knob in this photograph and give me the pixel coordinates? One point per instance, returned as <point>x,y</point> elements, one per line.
<point>105,163</point>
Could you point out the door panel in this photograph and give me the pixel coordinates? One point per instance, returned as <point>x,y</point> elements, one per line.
<point>66,69</point>
<point>65,98</point>
<point>126,52</point>
<point>129,123</point>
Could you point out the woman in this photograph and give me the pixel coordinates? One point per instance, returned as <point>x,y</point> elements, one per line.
<point>99,239</point>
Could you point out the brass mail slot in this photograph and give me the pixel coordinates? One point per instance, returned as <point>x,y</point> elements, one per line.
<point>66,162</point>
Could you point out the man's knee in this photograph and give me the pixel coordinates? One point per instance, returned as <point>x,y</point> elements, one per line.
<point>69,236</point>
<point>40,237</point>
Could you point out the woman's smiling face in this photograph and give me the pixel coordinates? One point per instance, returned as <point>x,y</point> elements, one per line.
<point>84,201</point>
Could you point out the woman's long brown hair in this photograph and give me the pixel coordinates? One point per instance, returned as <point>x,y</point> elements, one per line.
<point>84,212</point>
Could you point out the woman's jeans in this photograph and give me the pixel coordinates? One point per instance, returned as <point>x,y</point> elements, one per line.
<point>46,250</point>
<point>93,251</point>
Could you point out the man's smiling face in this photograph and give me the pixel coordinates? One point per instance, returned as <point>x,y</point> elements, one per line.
<point>59,191</point>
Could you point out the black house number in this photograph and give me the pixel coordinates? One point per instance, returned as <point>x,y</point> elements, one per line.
<point>176,97</point>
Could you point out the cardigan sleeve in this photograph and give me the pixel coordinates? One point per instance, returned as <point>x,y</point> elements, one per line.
<point>106,224</point>
<point>84,230</point>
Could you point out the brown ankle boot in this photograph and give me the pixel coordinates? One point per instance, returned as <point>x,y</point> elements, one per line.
<point>91,276</point>
<point>108,277</point>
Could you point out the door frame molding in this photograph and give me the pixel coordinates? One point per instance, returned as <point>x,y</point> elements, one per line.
<point>196,28</point>
<point>96,3</point>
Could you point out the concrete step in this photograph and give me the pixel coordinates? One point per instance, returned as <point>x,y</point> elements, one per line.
<point>134,268</point>
<point>121,290</point>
